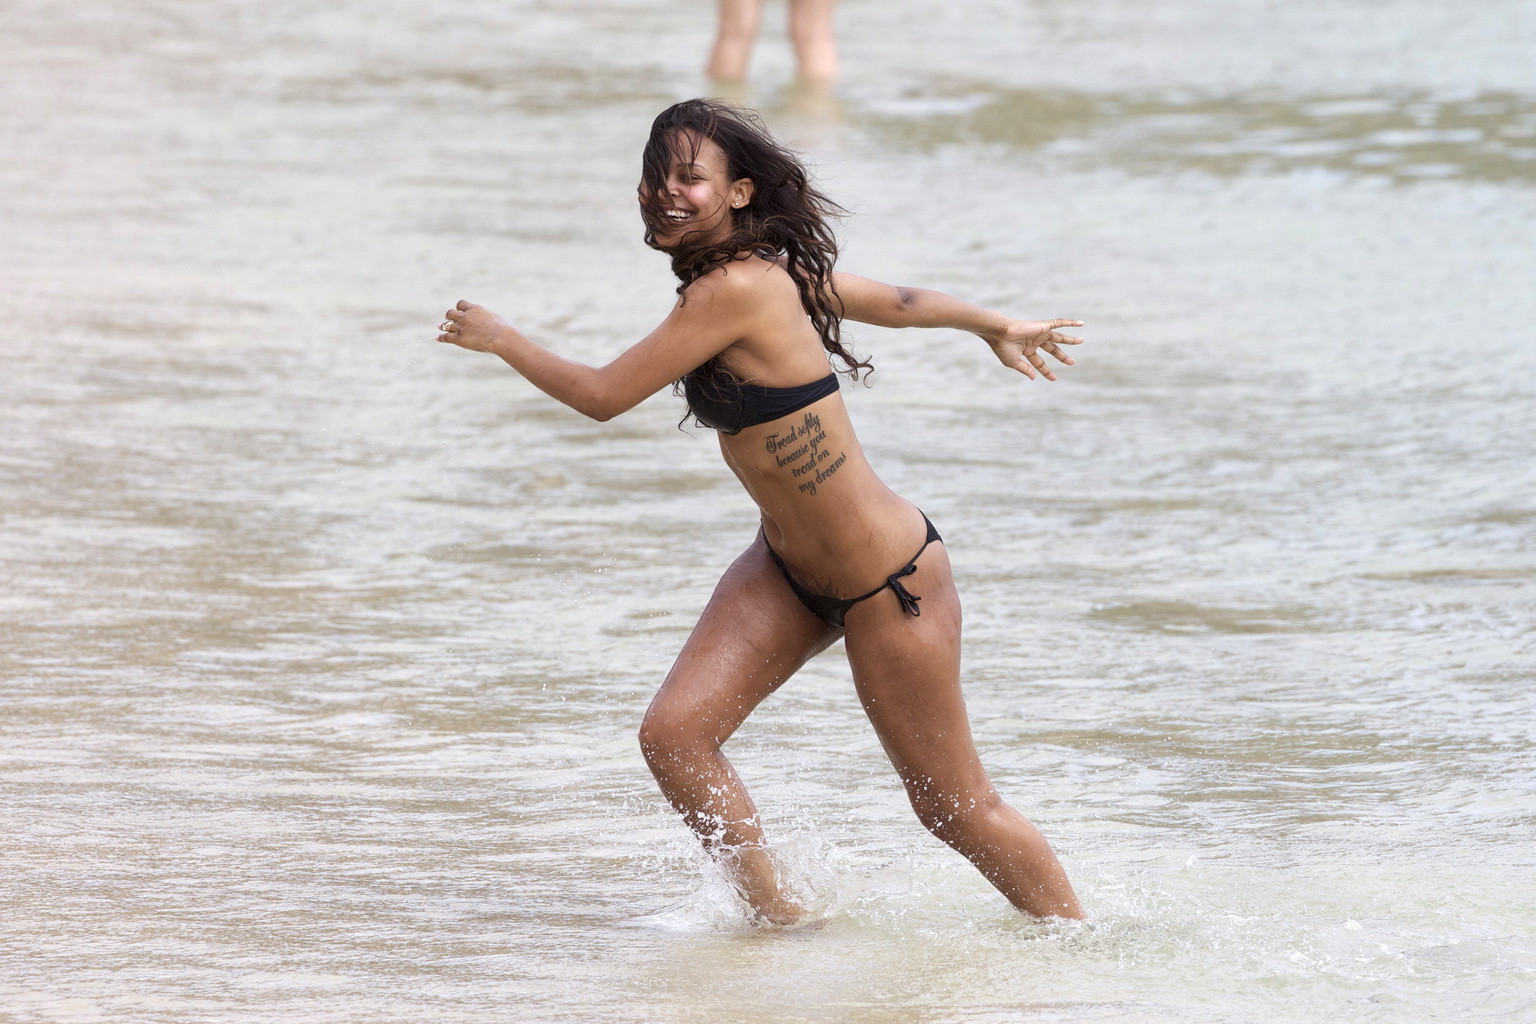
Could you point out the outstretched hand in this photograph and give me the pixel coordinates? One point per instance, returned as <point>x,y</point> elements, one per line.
<point>1020,343</point>
<point>470,326</point>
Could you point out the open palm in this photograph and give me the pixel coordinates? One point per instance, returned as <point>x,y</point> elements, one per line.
<point>1021,342</point>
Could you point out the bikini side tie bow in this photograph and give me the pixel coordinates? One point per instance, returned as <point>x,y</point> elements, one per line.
<point>906,597</point>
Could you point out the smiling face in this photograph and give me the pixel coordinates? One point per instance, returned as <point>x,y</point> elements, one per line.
<point>698,200</point>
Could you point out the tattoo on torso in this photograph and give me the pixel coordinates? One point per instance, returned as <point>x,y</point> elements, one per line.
<point>800,449</point>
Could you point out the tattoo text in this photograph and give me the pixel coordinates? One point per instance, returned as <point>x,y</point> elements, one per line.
<point>800,449</point>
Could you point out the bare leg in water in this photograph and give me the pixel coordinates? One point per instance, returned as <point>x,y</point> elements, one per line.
<point>735,33</point>
<point>753,636</point>
<point>810,30</point>
<point>907,672</point>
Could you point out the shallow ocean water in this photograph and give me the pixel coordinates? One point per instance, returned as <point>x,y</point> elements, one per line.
<point>323,646</point>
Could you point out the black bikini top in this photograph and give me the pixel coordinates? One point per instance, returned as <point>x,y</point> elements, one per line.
<point>727,405</point>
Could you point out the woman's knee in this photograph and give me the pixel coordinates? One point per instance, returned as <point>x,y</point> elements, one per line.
<point>954,816</point>
<point>667,738</point>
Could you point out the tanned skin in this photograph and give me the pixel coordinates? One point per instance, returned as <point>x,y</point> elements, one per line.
<point>840,529</point>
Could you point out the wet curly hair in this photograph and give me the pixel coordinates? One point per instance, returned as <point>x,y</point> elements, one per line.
<point>787,220</point>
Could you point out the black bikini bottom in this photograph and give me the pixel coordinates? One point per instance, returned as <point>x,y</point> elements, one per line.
<point>832,609</point>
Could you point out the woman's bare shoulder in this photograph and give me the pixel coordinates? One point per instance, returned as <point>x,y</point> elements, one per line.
<point>754,280</point>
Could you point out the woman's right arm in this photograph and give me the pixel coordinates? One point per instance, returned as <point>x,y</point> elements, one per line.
<point>714,312</point>
<point>1017,343</point>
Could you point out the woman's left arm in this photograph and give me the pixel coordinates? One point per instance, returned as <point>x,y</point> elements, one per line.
<point>712,314</point>
<point>1016,343</point>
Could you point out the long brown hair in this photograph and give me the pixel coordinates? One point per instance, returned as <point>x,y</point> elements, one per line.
<point>787,219</point>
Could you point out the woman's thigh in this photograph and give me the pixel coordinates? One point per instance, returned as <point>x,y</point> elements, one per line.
<point>906,669</point>
<point>754,634</point>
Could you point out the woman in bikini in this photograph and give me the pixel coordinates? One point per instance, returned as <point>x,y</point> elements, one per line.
<point>839,554</point>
